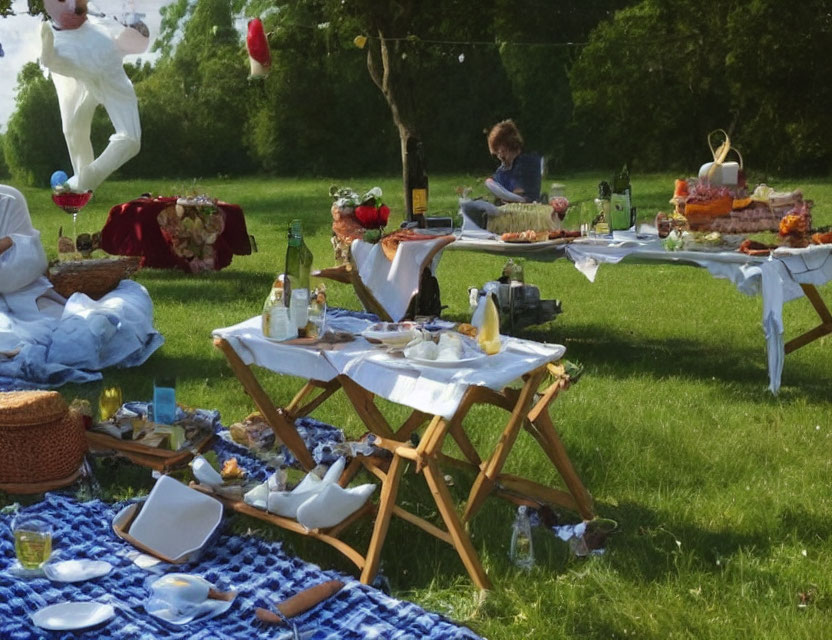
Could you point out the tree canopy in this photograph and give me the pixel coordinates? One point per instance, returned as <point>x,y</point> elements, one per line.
<point>591,84</point>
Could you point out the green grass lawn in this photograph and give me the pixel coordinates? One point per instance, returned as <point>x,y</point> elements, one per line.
<point>720,489</point>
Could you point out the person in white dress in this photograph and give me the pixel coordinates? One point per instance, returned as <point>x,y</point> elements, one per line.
<point>46,339</point>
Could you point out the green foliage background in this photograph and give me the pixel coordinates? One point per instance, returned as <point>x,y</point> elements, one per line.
<point>591,84</point>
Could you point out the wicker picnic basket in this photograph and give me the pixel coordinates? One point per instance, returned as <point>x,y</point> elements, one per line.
<point>94,277</point>
<point>42,442</point>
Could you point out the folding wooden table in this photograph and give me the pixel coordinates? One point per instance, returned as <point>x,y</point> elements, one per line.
<point>527,408</point>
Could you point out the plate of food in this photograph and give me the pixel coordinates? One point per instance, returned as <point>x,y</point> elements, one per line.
<point>446,349</point>
<point>525,237</point>
<point>392,334</point>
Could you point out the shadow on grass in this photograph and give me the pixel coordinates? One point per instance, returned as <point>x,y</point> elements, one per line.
<point>212,285</point>
<point>619,354</point>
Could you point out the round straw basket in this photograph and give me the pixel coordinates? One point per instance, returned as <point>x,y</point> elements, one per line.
<point>42,442</point>
<point>93,277</point>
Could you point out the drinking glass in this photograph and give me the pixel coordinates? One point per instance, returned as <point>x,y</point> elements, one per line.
<point>109,402</point>
<point>317,316</point>
<point>164,400</point>
<point>32,541</point>
<point>586,214</point>
<point>299,308</point>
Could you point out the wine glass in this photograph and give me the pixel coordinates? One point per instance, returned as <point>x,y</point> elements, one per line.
<point>71,202</point>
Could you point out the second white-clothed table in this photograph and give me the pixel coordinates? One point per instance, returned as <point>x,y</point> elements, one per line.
<point>787,274</point>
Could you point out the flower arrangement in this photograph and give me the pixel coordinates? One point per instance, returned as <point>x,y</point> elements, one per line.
<point>355,217</point>
<point>191,227</point>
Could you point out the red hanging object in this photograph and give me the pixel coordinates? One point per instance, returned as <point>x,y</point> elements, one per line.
<point>259,55</point>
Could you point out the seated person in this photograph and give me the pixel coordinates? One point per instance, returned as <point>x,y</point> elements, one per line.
<point>47,340</point>
<point>519,173</point>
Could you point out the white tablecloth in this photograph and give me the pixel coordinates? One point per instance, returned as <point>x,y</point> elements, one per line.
<point>393,284</point>
<point>434,390</point>
<point>777,277</point>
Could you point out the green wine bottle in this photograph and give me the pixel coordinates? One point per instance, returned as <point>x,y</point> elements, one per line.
<point>298,258</point>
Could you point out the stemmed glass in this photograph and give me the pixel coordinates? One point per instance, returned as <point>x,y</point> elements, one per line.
<point>71,202</point>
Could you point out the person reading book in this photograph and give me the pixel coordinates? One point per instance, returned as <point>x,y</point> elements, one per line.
<point>518,177</point>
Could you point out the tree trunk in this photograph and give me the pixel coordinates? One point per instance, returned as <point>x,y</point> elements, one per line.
<point>386,70</point>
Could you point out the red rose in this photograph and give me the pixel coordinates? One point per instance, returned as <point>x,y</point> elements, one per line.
<point>372,217</point>
<point>383,214</point>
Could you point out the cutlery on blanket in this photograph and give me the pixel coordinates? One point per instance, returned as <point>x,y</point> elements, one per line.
<point>299,603</point>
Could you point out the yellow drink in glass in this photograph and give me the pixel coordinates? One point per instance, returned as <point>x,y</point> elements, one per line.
<point>32,543</point>
<point>109,402</point>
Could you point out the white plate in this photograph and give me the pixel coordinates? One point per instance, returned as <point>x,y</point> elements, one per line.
<point>447,364</point>
<point>76,570</point>
<point>67,616</point>
<point>205,611</point>
<point>392,333</point>
<point>471,354</point>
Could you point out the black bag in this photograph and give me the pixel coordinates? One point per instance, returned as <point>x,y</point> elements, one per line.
<point>427,301</point>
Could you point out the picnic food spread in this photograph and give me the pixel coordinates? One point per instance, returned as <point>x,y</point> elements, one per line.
<point>717,211</point>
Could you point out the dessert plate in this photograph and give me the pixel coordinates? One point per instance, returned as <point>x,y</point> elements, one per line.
<point>76,570</point>
<point>392,334</point>
<point>68,616</point>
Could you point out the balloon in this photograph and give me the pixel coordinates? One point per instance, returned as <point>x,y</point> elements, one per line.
<point>58,179</point>
<point>259,55</point>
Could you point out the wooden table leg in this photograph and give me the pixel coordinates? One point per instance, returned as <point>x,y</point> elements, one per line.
<point>487,477</point>
<point>362,401</point>
<point>821,330</point>
<point>462,543</point>
<point>283,427</point>
<point>551,443</point>
<point>296,410</point>
<point>389,491</point>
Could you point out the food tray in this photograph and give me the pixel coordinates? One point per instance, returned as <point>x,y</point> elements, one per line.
<point>154,458</point>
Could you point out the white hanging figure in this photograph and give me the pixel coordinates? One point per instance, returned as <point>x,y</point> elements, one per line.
<point>85,56</point>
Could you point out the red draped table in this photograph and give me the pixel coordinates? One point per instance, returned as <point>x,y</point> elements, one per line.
<point>133,229</point>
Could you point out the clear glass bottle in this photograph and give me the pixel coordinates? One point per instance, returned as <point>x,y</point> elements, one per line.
<point>522,549</point>
<point>513,272</point>
<point>601,224</point>
<point>621,201</point>
<point>274,301</point>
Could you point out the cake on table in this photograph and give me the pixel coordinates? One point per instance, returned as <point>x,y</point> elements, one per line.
<point>518,217</point>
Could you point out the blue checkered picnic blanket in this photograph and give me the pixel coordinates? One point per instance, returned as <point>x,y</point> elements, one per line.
<point>260,571</point>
